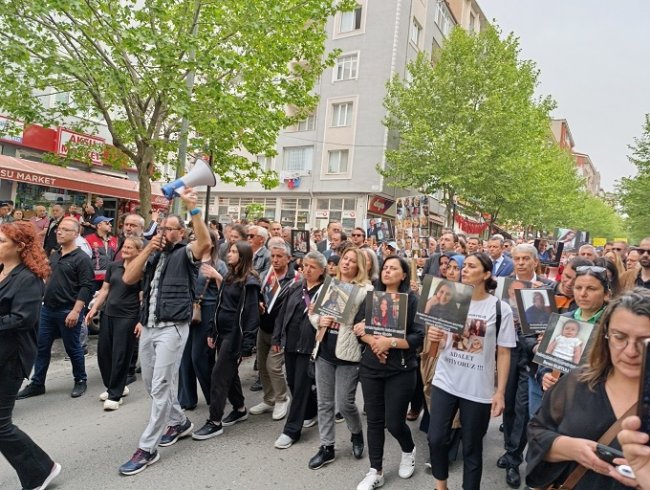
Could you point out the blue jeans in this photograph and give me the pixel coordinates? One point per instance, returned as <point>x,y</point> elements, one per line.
<point>535,395</point>
<point>52,326</point>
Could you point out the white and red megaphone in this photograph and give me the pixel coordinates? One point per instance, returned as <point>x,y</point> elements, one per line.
<point>201,174</point>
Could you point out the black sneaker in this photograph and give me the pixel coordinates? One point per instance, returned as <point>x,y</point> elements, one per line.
<point>338,418</point>
<point>175,432</point>
<point>257,386</point>
<point>209,430</point>
<point>234,417</point>
<point>30,390</point>
<point>357,445</point>
<point>325,455</point>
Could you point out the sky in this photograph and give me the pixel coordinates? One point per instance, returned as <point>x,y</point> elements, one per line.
<point>594,58</point>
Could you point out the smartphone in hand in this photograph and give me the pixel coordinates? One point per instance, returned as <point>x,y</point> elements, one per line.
<point>608,454</point>
<point>643,406</point>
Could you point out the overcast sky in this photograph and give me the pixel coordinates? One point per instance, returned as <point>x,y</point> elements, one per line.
<point>594,57</point>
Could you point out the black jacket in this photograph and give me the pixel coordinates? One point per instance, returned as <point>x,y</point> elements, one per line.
<point>176,287</point>
<point>294,302</point>
<point>21,297</point>
<point>241,337</point>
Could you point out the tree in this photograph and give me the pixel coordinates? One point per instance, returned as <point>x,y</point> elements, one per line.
<point>634,191</point>
<point>470,124</point>
<point>225,70</point>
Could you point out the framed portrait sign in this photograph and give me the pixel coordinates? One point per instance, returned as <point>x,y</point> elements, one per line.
<point>386,314</point>
<point>565,343</point>
<point>444,304</point>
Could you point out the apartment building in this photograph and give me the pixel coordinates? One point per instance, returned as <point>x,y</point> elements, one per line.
<point>328,162</point>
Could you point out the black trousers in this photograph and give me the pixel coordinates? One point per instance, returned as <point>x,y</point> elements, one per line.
<point>114,349</point>
<point>198,360</point>
<point>474,421</point>
<point>225,383</point>
<point>304,405</point>
<point>386,399</point>
<point>417,400</point>
<point>515,414</point>
<point>30,462</point>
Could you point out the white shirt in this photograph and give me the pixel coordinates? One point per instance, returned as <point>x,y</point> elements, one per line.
<point>467,363</point>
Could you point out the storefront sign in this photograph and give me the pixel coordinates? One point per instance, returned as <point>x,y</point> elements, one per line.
<point>349,214</point>
<point>322,214</point>
<point>11,130</point>
<point>379,205</point>
<point>27,177</point>
<point>69,139</point>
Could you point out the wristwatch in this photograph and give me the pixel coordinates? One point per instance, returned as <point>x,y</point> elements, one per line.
<point>393,343</point>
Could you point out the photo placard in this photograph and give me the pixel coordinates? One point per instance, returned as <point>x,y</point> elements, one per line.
<point>386,314</point>
<point>334,300</point>
<point>565,343</point>
<point>506,291</point>
<point>444,304</point>
<point>535,307</point>
<point>299,243</point>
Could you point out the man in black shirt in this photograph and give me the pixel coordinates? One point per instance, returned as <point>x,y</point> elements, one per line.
<point>50,241</point>
<point>67,291</point>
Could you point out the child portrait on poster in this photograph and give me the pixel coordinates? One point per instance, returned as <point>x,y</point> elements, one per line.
<point>567,345</point>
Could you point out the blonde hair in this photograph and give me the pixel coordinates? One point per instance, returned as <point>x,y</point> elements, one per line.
<point>362,274</point>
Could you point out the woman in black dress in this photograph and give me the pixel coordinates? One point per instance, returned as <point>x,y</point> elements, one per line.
<point>24,268</point>
<point>237,321</point>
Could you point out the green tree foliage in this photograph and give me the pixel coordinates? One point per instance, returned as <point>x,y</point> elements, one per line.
<point>127,62</point>
<point>634,192</point>
<point>470,124</point>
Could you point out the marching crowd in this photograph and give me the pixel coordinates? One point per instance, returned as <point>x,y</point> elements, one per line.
<point>187,302</point>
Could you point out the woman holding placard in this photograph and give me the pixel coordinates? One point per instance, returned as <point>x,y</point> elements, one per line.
<point>337,364</point>
<point>388,378</point>
<point>586,406</point>
<point>464,381</point>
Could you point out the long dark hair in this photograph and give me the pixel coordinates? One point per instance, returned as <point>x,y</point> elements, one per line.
<point>614,283</point>
<point>240,272</point>
<point>486,264</point>
<point>404,286</point>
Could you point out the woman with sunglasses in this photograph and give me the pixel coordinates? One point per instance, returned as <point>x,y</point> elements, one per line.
<point>388,378</point>
<point>23,270</point>
<point>590,292</point>
<point>585,403</point>
<point>468,386</point>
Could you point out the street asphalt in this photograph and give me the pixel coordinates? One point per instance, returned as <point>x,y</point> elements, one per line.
<point>91,444</point>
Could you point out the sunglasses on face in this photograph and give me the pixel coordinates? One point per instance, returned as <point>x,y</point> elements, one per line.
<point>643,251</point>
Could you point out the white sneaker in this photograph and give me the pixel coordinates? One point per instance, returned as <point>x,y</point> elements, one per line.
<point>372,480</point>
<point>407,465</point>
<point>112,405</point>
<point>283,442</point>
<point>280,410</point>
<point>309,423</point>
<point>261,408</point>
<point>104,396</point>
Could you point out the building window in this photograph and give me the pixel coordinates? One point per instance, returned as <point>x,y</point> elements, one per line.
<point>442,18</point>
<point>350,21</point>
<point>307,124</point>
<point>298,158</point>
<point>416,31</point>
<point>338,162</point>
<point>342,114</point>
<point>61,98</point>
<point>472,23</point>
<point>342,210</point>
<point>346,67</point>
<point>266,163</point>
<point>294,213</point>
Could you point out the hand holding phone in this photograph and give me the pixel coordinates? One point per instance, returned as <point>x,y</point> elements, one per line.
<point>608,454</point>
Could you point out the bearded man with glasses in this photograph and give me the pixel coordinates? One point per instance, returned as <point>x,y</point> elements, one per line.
<point>639,277</point>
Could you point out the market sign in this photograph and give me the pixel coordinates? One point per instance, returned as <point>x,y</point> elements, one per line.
<point>379,205</point>
<point>28,177</point>
<point>71,140</point>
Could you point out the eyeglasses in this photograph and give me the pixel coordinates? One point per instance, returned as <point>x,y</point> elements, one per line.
<point>620,341</point>
<point>165,229</point>
<point>643,251</point>
<point>591,268</point>
<point>617,249</point>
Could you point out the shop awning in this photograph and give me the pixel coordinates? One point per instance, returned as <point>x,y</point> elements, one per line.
<point>47,175</point>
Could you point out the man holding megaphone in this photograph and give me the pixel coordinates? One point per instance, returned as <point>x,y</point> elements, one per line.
<point>169,266</point>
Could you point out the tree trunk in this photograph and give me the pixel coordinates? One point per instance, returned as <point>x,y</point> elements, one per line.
<point>144,179</point>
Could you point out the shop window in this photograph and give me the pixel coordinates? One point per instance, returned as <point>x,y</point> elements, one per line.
<point>294,213</point>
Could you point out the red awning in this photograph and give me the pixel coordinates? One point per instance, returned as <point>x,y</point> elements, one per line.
<point>75,180</point>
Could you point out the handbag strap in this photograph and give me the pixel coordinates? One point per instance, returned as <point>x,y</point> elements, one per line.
<point>607,438</point>
<point>205,288</point>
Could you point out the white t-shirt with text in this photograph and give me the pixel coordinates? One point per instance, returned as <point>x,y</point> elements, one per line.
<point>467,362</point>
